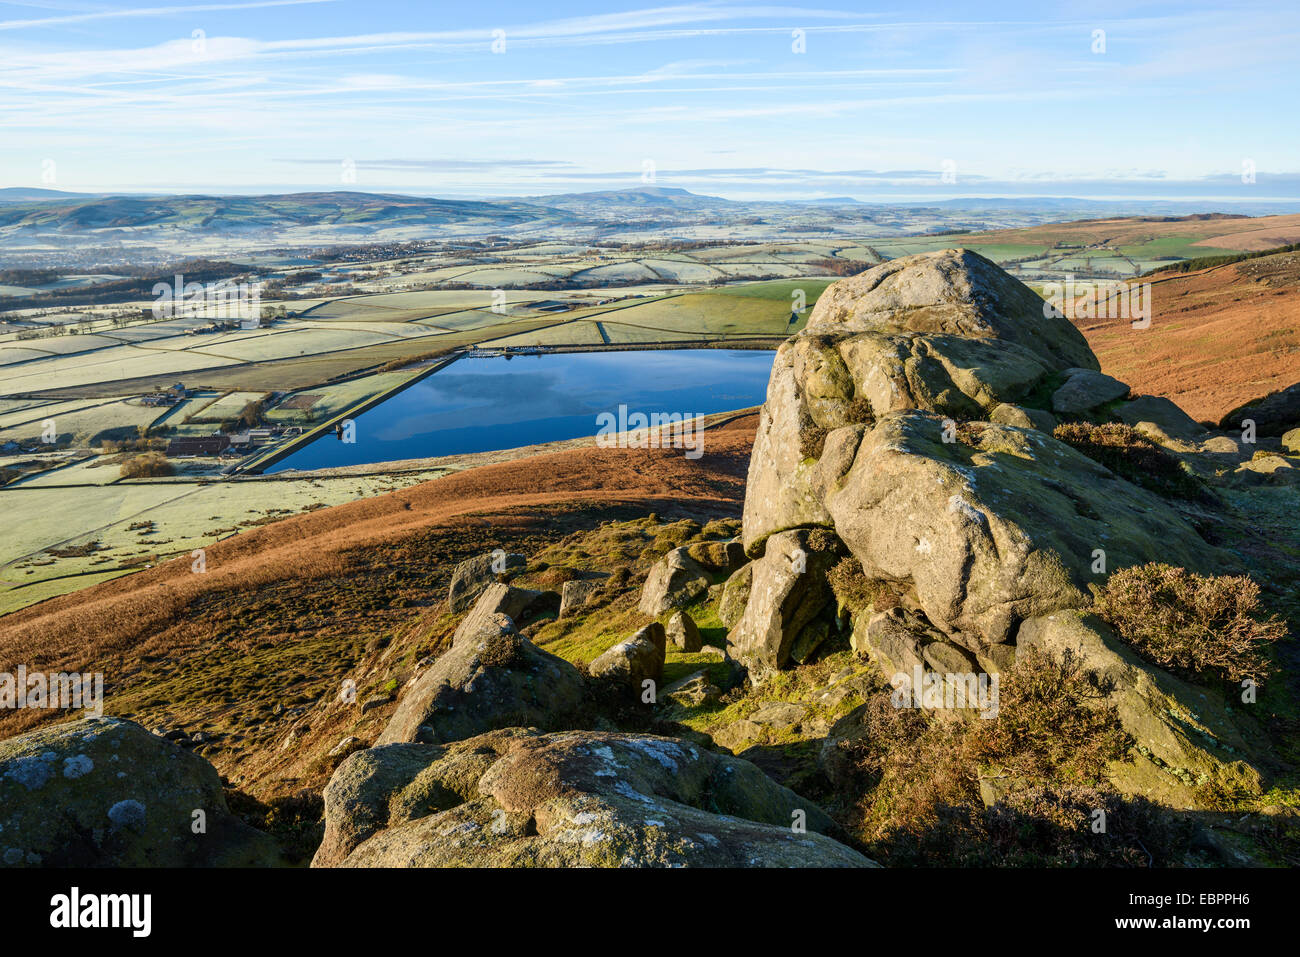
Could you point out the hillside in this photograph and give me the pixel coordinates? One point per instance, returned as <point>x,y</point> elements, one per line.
<point>139,227</point>
<point>351,213</point>
<point>779,594</point>
<point>323,586</point>
<point>1154,237</point>
<point>1218,338</point>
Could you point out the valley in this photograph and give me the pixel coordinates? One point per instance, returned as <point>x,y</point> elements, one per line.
<point>87,388</point>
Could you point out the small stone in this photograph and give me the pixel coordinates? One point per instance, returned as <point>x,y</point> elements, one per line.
<point>778,714</point>
<point>636,659</point>
<point>948,659</point>
<point>473,576</point>
<point>683,632</point>
<point>346,746</point>
<point>575,594</point>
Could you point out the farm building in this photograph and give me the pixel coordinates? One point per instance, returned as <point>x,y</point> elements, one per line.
<point>198,445</point>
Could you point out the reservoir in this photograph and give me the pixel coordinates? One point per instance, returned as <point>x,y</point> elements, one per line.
<point>491,403</point>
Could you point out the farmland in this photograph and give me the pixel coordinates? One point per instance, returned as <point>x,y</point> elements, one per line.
<point>87,386</point>
<point>95,382</point>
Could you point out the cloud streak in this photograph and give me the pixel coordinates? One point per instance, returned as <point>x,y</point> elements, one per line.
<point>142,12</point>
<point>1008,98</point>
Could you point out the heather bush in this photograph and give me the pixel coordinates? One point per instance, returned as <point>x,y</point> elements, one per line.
<point>1197,626</point>
<point>856,592</point>
<point>1132,456</point>
<point>1051,722</point>
<point>920,776</point>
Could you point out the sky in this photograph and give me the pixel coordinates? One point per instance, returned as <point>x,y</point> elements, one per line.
<point>744,100</point>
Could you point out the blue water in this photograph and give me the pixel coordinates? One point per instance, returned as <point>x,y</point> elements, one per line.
<point>482,405</point>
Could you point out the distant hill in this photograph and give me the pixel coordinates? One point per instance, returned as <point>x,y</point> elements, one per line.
<point>24,194</point>
<point>349,213</point>
<point>210,224</point>
<point>665,197</point>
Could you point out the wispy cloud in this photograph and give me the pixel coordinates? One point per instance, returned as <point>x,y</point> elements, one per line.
<point>141,12</point>
<point>1009,97</point>
<point>442,165</point>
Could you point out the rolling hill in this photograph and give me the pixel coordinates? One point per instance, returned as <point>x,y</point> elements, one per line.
<point>349,213</point>
<point>1218,338</point>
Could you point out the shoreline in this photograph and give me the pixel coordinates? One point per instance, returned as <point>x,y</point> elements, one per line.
<point>468,460</point>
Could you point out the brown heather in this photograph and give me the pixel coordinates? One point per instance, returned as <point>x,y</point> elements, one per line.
<point>920,777</point>
<point>1131,455</point>
<point>1194,625</point>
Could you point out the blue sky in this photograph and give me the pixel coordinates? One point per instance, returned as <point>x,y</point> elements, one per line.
<point>869,100</point>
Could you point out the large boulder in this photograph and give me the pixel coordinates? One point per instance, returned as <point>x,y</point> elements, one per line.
<point>735,595</point>
<point>809,394</point>
<point>491,678</point>
<point>1159,419</point>
<point>945,332</point>
<point>517,797</point>
<point>638,658</point>
<point>998,525</point>
<point>966,378</point>
<point>472,576</point>
<point>104,792</point>
<point>1275,414</point>
<point>790,605</point>
<point>676,579</point>
<point>986,534</point>
<point>953,292</point>
<point>1188,736</point>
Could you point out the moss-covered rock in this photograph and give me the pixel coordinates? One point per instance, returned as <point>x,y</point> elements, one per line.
<point>490,678</point>
<point>520,798</point>
<point>1002,525</point>
<point>103,792</point>
<point>635,660</point>
<point>474,575</point>
<point>676,579</point>
<point>790,600</point>
<point>1191,742</point>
